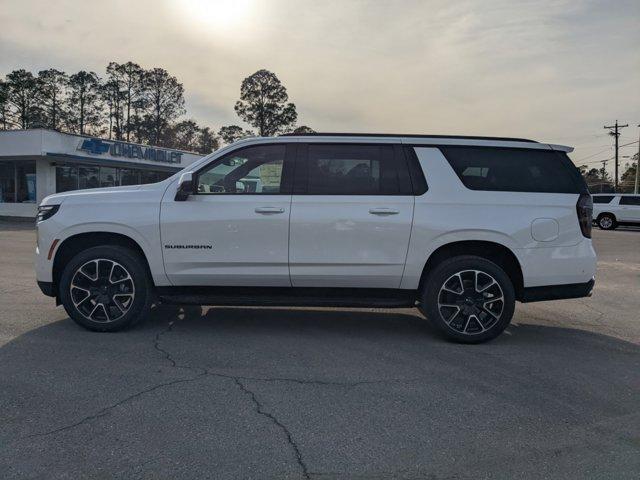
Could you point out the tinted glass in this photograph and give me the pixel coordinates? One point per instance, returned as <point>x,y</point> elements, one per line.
<point>514,170</point>
<point>629,200</point>
<point>352,170</point>
<point>129,176</point>
<point>253,170</point>
<point>26,178</point>
<point>7,182</point>
<point>108,177</point>
<point>66,178</point>
<point>602,198</point>
<point>89,177</point>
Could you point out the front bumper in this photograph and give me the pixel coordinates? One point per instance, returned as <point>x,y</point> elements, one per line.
<point>47,288</point>
<point>557,292</point>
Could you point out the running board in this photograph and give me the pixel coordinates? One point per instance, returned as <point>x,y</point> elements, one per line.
<point>289,297</point>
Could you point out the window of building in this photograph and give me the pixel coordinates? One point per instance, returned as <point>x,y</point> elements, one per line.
<point>26,182</point>
<point>129,176</point>
<point>88,177</point>
<point>17,182</point>
<point>250,170</point>
<point>79,177</point>
<point>629,200</point>
<point>352,170</point>
<point>514,170</point>
<point>7,182</point>
<point>108,177</point>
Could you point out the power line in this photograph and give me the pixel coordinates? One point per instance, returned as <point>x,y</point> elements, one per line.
<point>615,131</point>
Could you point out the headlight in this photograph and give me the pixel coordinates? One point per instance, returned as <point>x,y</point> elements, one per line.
<point>46,211</point>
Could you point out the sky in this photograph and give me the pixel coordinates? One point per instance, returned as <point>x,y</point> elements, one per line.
<point>554,71</point>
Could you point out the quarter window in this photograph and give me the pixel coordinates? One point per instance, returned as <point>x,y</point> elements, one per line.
<point>629,200</point>
<point>514,170</point>
<point>253,170</point>
<point>352,170</point>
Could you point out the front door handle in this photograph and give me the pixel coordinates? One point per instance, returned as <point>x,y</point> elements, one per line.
<point>269,210</point>
<point>383,211</point>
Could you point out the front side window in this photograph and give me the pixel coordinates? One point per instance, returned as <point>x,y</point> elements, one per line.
<point>629,200</point>
<point>352,170</point>
<point>252,170</point>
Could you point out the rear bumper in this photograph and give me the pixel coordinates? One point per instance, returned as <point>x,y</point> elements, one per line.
<point>557,292</point>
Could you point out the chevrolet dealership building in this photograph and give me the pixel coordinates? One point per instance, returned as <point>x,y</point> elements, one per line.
<point>36,163</point>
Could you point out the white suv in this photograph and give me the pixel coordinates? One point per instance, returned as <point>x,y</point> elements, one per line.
<point>611,210</point>
<point>460,227</point>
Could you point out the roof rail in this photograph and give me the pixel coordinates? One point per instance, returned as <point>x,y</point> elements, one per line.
<point>462,137</point>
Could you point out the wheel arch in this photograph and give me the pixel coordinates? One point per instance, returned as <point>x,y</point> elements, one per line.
<point>607,213</point>
<point>74,244</point>
<point>492,251</point>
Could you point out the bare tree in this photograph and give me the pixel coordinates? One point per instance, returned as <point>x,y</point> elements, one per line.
<point>164,103</point>
<point>24,98</point>
<point>53,86</point>
<point>85,108</point>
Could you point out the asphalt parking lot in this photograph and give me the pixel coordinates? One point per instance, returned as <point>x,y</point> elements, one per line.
<point>321,393</point>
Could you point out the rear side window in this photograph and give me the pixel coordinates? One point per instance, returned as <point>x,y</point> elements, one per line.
<point>515,170</point>
<point>602,198</point>
<point>628,200</point>
<point>344,169</point>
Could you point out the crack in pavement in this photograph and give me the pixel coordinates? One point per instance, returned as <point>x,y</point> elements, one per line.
<point>275,421</point>
<point>107,409</point>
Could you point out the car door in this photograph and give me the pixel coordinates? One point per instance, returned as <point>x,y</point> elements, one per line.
<point>629,208</point>
<point>234,230</point>
<point>351,216</point>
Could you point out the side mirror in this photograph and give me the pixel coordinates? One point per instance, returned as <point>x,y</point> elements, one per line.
<point>185,187</point>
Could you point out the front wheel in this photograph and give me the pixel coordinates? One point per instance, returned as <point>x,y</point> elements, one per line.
<point>105,288</point>
<point>470,299</point>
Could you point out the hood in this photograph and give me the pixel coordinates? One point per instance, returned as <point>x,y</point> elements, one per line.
<point>95,194</point>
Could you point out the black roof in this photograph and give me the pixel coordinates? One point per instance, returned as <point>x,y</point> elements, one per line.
<point>461,137</point>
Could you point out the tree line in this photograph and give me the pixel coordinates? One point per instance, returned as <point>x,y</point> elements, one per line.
<point>133,104</point>
<point>600,181</point>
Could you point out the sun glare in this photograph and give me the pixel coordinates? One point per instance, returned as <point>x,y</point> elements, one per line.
<point>214,14</point>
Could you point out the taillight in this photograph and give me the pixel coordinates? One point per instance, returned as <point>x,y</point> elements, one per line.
<point>584,207</point>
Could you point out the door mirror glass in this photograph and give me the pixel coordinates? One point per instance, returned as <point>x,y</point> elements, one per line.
<point>185,187</point>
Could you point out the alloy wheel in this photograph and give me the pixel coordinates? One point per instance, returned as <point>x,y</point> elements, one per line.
<point>102,290</point>
<point>471,302</point>
<point>606,222</point>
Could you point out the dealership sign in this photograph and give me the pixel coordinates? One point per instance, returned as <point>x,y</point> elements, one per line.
<point>97,146</point>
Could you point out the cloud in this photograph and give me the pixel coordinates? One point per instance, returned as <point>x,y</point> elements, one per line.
<point>546,69</point>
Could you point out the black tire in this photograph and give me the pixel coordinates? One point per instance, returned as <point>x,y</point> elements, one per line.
<point>607,221</point>
<point>453,312</point>
<point>127,279</point>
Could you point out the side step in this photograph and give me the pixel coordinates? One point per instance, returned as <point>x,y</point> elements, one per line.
<point>289,297</point>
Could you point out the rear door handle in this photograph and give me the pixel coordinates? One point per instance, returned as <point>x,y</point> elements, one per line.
<point>269,210</point>
<point>383,211</point>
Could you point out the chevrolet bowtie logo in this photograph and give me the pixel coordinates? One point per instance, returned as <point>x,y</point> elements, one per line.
<point>95,146</point>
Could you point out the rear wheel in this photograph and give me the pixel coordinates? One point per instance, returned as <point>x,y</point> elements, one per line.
<point>105,288</point>
<point>470,299</point>
<point>607,221</point>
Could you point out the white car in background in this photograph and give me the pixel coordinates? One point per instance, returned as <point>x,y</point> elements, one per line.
<point>613,209</point>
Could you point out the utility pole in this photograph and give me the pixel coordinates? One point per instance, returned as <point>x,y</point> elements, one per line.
<point>604,171</point>
<point>616,133</point>
<point>635,188</point>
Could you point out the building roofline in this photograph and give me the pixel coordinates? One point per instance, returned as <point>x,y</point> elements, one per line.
<point>58,132</point>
